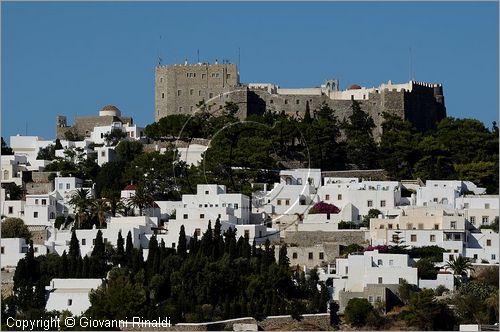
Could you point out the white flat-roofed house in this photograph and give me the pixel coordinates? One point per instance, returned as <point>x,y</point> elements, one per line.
<point>12,209</point>
<point>479,209</point>
<point>71,294</point>
<point>369,274</point>
<point>483,246</point>
<point>210,203</point>
<point>98,135</point>
<point>14,249</point>
<point>140,227</point>
<point>444,193</point>
<point>29,146</point>
<point>105,154</point>
<point>40,209</point>
<point>420,226</point>
<point>12,168</point>
<point>295,193</point>
<point>384,196</point>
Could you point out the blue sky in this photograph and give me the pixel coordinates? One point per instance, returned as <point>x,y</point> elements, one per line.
<point>73,58</point>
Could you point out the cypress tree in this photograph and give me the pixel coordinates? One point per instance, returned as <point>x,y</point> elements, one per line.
<point>74,246</point>
<point>182,243</point>
<point>254,248</point>
<point>99,248</point>
<point>63,265</point>
<point>307,114</point>
<point>128,247</point>
<point>193,244</point>
<point>283,258</point>
<point>120,250</point>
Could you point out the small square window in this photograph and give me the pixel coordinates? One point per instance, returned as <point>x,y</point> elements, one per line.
<point>179,92</point>
<point>339,197</point>
<point>488,243</point>
<point>84,242</point>
<point>382,203</point>
<point>191,91</point>
<point>493,256</point>
<point>198,232</point>
<point>389,226</point>
<point>379,262</point>
<point>35,214</point>
<point>2,250</point>
<point>11,210</point>
<point>453,225</point>
<point>287,202</point>
<point>486,206</point>
<point>391,262</point>
<point>294,255</point>
<point>297,101</point>
<point>247,233</point>
<point>436,226</point>
<point>420,226</point>
<point>380,280</point>
<point>485,219</point>
<point>68,186</point>
<point>432,238</point>
<point>202,216</point>
<point>185,216</point>
<point>44,202</point>
<point>327,197</point>
<point>36,201</point>
<point>321,255</point>
<point>370,203</point>
<point>472,220</point>
<point>70,301</point>
<point>413,238</point>
<point>279,202</point>
<point>310,255</point>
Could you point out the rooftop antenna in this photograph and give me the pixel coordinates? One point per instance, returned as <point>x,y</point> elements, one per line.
<point>239,64</point>
<point>159,54</point>
<point>198,54</point>
<point>26,132</point>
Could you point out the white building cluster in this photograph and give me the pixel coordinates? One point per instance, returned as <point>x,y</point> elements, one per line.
<point>447,214</point>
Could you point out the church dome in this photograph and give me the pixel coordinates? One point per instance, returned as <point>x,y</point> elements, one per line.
<point>354,87</point>
<point>109,110</point>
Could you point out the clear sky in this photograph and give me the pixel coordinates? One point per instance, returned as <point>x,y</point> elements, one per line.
<point>73,58</point>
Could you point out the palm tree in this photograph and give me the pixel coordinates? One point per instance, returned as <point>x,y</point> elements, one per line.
<point>460,266</point>
<point>81,204</point>
<point>100,207</point>
<point>141,199</point>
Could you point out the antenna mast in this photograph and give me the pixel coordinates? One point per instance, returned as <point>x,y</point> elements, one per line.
<point>198,54</point>
<point>239,63</point>
<point>159,54</point>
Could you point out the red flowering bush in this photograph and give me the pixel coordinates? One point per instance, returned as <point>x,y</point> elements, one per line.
<point>323,207</point>
<point>381,248</point>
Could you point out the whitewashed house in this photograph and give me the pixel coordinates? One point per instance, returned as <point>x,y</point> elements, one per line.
<point>71,294</point>
<point>141,228</point>
<point>479,209</point>
<point>483,246</point>
<point>363,196</point>
<point>13,249</point>
<point>295,193</point>
<point>211,202</point>
<point>444,193</point>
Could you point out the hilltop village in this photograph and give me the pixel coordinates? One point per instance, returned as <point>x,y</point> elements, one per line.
<point>362,206</point>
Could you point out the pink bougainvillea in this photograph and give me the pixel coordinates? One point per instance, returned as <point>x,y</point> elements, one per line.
<point>322,207</point>
<point>381,248</point>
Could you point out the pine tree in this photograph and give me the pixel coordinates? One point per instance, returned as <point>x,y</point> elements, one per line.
<point>182,243</point>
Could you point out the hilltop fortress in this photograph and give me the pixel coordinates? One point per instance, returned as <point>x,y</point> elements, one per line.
<point>180,88</point>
